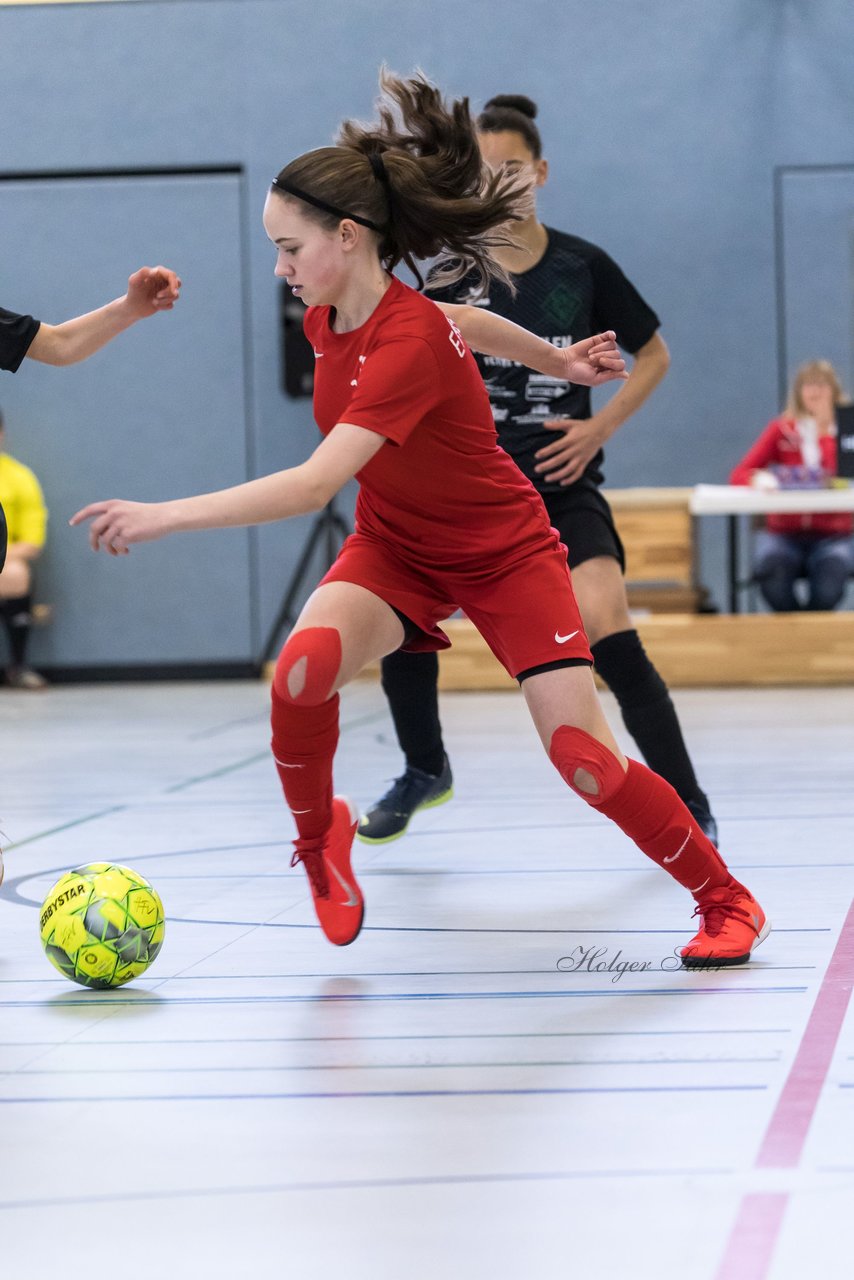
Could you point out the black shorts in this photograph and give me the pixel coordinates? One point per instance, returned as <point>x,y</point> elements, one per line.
<point>586,526</point>
<point>3,536</point>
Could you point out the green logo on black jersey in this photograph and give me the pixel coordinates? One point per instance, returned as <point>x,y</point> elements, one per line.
<point>561,306</point>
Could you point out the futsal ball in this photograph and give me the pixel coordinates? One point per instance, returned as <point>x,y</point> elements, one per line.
<point>102,925</point>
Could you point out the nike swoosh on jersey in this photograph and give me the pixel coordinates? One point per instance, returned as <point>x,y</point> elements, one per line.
<point>559,639</point>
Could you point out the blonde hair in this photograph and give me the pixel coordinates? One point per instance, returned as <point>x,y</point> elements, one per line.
<point>813,371</point>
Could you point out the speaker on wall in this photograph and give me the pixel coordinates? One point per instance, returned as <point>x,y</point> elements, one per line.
<point>297,355</point>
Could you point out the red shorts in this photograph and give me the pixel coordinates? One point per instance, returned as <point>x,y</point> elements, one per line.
<point>525,610</point>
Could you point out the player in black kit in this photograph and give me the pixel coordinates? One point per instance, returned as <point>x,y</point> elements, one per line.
<point>567,289</point>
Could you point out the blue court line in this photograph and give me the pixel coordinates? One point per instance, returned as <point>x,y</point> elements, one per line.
<point>330,1095</point>
<point>104,999</point>
<point>455,1035</point>
<point>367,873</point>
<point>275,1068</point>
<point>412,973</point>
<point>12,891</point>
<point>214,848</point>
<point>358,1184</point>
<point>400,928</point>
<point>574,823</point>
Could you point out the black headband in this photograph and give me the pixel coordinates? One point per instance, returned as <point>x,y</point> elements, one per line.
<point>380,171</point>
<point>288,187</point>
<point>381,174</point>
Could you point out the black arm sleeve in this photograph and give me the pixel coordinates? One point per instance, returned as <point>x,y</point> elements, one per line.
<point>617,305</point>
<point>16,334</point>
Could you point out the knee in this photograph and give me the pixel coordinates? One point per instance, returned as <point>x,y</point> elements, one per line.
<point>586,765</point>
<point>828,587</point>
<point>835,565</point>
<point>15,578</point>
<point>774,562</point>
<point>308,667</point>
<point>777,553</point>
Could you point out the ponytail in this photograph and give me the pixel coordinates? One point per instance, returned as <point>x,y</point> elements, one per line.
<point>416,179</point>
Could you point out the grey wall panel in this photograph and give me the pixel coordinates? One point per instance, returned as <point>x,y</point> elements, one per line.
<point>160,413</point>
<point>817,269</point>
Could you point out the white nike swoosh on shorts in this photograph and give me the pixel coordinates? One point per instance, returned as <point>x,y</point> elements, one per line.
<point>559,639</point>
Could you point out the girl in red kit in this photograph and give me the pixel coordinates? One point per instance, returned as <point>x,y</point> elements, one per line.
<point>444,520</point>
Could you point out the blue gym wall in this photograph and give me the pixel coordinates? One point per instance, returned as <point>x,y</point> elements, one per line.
<point>664,121</point>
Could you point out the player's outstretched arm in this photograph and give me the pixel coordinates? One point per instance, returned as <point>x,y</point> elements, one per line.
<point>117,523</point>
<point>591,362</point>
<point>595,360</point>
<point>150,289</point>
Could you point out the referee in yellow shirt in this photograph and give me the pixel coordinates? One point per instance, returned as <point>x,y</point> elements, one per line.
<point>26,517</point>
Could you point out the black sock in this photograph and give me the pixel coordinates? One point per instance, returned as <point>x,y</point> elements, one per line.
<point>648,711</point>
<point>17,620</point>
<point>411,684</point>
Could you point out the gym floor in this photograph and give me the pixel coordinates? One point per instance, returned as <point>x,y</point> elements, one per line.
<point>506,1075</point>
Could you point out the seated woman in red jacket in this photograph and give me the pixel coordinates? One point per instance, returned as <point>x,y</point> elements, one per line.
<point>817,547</point>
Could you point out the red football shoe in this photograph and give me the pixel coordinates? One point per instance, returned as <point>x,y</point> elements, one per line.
<point>733,924</point>
<point>338,900</point>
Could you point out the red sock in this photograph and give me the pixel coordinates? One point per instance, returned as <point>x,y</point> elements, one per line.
<point>651,813</point>
<point>304,742</point>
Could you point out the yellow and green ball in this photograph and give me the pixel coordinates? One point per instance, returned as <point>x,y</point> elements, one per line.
<point>102,925</point>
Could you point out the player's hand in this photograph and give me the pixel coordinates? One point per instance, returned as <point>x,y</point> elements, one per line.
<point>595,360</point>
<point>152,289</point>
<point>117,523</point>
<point>578,440</point>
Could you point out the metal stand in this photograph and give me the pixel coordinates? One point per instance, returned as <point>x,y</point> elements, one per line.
<point>328,531</point>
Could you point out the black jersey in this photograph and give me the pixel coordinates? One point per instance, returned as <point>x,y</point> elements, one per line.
<point>575,290</point>
<point>16,334</point>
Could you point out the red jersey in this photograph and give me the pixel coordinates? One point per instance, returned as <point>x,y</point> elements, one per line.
<point>442,491</point>
<point>781,442</point>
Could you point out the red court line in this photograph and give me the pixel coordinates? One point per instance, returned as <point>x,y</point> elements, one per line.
<point>754,1236</point>
<point>752,1240</point>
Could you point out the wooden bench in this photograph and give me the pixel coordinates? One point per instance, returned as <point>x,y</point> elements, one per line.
<point>657,531</point>
<point>699,650</point>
